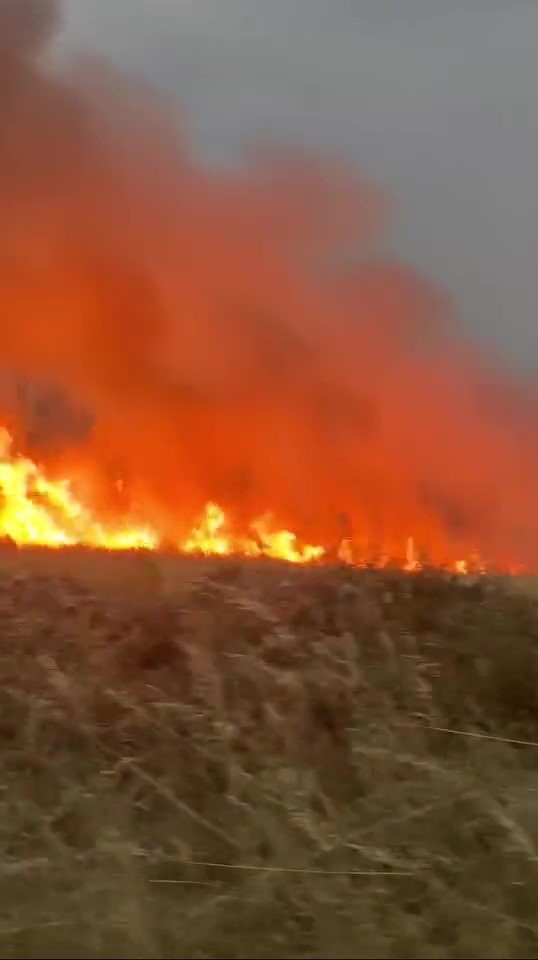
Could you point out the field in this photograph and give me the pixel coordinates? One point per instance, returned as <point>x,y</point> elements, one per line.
<point>232,760</point>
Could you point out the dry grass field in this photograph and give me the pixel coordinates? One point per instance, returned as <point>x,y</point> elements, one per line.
<point>233,760</point>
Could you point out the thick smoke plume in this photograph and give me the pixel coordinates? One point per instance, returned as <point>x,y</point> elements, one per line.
<point>235,336</point>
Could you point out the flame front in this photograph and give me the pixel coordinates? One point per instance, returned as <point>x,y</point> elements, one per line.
<point>211,537</point>
<point>36,510</point>
<point>43,512</point>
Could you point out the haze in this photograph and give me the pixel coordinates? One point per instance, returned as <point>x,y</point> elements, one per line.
<point>433,98</point>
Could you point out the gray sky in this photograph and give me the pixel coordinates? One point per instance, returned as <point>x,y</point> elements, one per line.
<point>436,99</point>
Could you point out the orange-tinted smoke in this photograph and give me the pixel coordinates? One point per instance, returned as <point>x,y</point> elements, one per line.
<point>235,335</point>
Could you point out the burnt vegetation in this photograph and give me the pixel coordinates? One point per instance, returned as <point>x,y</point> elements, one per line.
<point>233,760</point>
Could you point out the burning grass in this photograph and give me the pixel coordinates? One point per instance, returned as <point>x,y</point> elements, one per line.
<point>243,759</point>
<point>38,510</point>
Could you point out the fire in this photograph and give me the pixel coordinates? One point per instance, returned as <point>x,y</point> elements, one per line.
<point>43,512</point>
<point>39,511</point>
<point>212,537</point>
<point>247,343</point>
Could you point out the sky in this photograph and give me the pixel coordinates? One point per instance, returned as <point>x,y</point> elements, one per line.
<point>437,100</point>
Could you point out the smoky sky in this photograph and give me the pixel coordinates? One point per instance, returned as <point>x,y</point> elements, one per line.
<point>436,99</point>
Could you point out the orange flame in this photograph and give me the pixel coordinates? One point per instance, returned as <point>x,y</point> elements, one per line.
<point>247,340</point>
<point>39,511</point>
<point>212,537</point>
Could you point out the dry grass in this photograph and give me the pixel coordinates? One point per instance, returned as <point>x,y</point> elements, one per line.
<point>230,761</point>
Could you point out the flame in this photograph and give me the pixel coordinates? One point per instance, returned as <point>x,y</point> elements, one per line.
<point>212,537</point>
<point>43,512</point>
<point>247,343</point>
<point>36,510</point>
<point>40,511</point>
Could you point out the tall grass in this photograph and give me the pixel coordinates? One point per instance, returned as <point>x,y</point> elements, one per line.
<point>244,760</point>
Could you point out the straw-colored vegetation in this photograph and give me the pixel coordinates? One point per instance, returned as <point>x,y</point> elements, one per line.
<point>247,760</point>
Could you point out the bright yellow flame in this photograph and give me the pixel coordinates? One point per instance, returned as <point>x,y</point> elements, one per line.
<point>209,537</point>
<point>37,510</point>
<point>283,544</point>
<point>43,512</point>
<point>212,537</point>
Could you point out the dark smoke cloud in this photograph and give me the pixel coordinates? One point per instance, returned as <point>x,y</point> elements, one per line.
<point>234,335</point>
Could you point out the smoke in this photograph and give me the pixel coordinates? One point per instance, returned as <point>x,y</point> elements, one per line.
<point>236,336</point>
